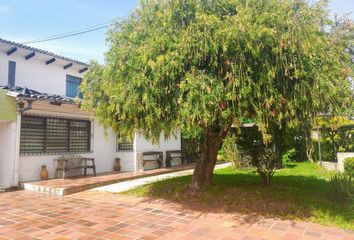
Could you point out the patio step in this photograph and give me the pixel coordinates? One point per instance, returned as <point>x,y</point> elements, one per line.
<point>61,187</point>
<point>33,187</point>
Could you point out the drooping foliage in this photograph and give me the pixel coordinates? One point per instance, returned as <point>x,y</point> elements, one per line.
<point>212,63</point>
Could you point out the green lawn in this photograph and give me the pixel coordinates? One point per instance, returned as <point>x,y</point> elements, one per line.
<point>300,191</point>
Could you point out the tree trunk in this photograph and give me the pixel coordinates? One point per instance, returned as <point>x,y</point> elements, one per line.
<point>309,148</point>
<point>278,147</point>
<point>203,171</point>
<point>278,153</point>
<point>267,179</point>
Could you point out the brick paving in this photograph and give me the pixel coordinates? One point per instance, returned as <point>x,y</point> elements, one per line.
<point>93,215</point>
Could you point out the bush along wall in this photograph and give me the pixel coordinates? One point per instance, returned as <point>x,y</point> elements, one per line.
<point>333,141</point>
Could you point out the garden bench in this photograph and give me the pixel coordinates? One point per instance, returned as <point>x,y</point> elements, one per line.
<point>73,162</point>
<point>174,156</point>
<point>158,158</point>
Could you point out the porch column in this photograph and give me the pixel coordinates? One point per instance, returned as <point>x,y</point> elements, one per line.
<point>17,151</point>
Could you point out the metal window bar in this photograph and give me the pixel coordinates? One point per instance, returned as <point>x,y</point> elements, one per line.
<point>50,135</point>
<point>124,145</point>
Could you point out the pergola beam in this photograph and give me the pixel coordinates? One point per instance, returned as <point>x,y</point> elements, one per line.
<point>50,61</point>
<point>83,70</point>
<point>31,55</point>
<point>68,65</point>
<point>11,51</point>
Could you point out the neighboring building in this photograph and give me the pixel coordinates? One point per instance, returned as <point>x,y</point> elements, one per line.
<point>39,120</point>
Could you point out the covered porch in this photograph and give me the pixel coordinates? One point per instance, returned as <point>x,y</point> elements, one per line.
<point>37,129</point>
<point>78,184</point>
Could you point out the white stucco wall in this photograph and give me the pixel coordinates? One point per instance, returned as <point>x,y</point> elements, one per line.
<point>35,74</point>
<point>331,166</point>
<point>102,147</point>
<point>341,156</point>
<point>172,143</point>
<point>103,150</point>
<point>143,145</point>
<point>7,151</point>
<point>127,161</point>
<point>51,79</point>
<point>339,165</point>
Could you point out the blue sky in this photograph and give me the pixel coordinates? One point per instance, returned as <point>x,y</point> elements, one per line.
<point>25,20</point>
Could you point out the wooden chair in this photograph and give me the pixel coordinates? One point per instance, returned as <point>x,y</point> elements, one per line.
<point>73,162</point>
<point>174,155</point>
<point>158,159</point>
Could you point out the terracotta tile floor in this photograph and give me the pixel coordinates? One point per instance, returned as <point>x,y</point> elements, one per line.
<point>78,184</point>
<point>93,215</point>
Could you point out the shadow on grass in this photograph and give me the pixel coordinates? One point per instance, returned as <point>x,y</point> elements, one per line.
<point>288,197</point>
<point>290,165</point>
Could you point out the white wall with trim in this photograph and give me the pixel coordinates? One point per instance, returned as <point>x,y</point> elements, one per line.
<point>37,75</point>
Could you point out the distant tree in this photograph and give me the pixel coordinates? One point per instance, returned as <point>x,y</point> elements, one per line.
<point>209,64</point>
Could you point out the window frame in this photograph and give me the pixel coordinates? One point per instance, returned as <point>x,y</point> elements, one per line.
<point>120,142</point>
<point>11,76</point>
<point>70,79</point>
<point>25,150</point>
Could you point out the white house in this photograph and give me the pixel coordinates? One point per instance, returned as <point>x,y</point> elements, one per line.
<point>39,121</point>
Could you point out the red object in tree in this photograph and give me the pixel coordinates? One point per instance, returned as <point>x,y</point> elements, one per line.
<point>222,105</point>
<point>228,62</point>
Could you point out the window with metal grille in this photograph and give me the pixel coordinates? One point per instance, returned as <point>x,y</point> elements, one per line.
<point>124,145</point>
<point>48,135</point>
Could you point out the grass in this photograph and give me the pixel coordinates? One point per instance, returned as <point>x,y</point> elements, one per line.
<point>298,192</point>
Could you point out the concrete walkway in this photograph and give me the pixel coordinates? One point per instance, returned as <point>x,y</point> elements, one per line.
<point>131,184</point>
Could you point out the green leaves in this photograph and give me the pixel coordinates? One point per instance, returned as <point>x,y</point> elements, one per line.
<point>172,63</point>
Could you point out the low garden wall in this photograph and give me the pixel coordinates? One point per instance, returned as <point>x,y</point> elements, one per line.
<point>341,156</point>
<point>331,166</point>
<point>339,165</point>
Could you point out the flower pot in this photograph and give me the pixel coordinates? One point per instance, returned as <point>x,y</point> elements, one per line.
<point>117,166</point>
<point>44,173</point>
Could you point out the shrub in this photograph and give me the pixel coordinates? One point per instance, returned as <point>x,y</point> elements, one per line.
<point>295,138</point>
<point>289,155</point>
<point>341,188</point>
<point>230,153</point>
<point>260,155</point>
<point>341,141</point>
<point>349,166</point>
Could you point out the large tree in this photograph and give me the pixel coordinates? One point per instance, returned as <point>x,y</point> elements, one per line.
<point>210,63</point>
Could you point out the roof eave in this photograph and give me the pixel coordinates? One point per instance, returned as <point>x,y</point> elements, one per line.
<point>53,55</point>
